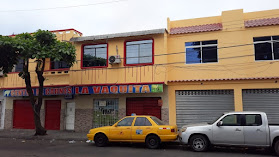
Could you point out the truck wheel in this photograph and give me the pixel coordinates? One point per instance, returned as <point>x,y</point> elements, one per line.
<point>199,143</point>
<point>276,147</point>
<point>100,140</point>
<point>152,141</point>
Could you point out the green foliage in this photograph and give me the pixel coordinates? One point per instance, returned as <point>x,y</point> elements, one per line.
<point>89,61</point>
<point>40,45</point>
<point>8,53</point>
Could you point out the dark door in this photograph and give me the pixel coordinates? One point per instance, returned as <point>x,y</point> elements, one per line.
<point>52,118</point>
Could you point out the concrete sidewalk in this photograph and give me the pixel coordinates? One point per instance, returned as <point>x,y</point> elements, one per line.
<point>51,135</point>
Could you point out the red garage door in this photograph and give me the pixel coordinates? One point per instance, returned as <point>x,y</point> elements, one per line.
<point>23,115</point>
<point>52,119</point>
<point>143,106</point>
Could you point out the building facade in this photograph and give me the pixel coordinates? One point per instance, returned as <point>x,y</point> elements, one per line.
<point>228,62</point>
<point>193,71</point>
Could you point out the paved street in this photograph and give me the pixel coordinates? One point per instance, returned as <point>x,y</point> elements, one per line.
<point>62,148</point>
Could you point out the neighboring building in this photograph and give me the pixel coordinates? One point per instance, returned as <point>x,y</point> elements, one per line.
<point>191,72</point>
<point>230,63</point>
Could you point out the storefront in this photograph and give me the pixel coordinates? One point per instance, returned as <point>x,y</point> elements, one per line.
<point>80,108</point>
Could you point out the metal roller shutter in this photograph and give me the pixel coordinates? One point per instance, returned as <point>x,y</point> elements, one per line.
<point>265,100</point>
<point>197,106</point>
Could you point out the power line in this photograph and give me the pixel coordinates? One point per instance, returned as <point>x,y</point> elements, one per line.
<point>65,7</point>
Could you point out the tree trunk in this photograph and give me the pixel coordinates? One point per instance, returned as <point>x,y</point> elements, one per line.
<point>35,106</point>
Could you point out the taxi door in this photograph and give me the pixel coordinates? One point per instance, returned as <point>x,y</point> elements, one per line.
<point>141,128</point>
<point>122,130</point>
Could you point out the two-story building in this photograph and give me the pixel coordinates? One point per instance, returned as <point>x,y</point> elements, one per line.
<point>193,71</point>
<point>224,63</point>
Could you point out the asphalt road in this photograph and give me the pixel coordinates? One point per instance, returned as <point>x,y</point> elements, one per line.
<point>50,148</point>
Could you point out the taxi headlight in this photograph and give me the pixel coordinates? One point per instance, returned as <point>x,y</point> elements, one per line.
<point>183,129</point>
<point>89,131</point>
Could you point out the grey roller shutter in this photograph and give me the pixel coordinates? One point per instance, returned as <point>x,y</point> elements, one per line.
<point>265,100</point>
<point>202,105</point>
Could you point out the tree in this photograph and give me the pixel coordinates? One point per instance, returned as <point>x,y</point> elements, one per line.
<point>38,47</point>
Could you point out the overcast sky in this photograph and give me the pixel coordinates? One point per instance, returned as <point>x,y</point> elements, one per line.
<point>95,17</point>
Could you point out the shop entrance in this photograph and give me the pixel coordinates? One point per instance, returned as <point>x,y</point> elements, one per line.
<point>143,106</point>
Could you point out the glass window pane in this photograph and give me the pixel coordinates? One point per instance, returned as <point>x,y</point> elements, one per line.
<point>262,39</point>
<point>132,54</point>
<point>276,50</point>
<point>209,42</point>
<point>145,52</point>
<point>209,54</point>
<point>263,51</point>
<point>275,38</point>
<point>253,120</point>
<point>192,43</point>
<point>95,55</point>
<point>231,120</point>
<point>19,66</point>
<point>139,42</point>
<point>142,121</point>
<point>157,121</point>
<point>126,122</point>
<point>193,55</point>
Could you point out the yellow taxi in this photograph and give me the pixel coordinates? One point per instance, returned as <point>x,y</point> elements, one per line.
<point>148,129</point>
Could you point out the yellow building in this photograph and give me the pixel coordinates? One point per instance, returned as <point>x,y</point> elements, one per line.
<point>227,62</point>
<point>193,71</point>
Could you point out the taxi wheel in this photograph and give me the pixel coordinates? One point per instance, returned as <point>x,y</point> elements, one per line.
<point>100,140</point>
<point>152,141</point>
<point>199,143</point>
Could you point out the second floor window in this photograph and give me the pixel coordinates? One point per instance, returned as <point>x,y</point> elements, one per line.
<point>19,66</point>
<point>94,55</point>
<point>201,52</point>
<point>58,65</point>
<point>266,48</point>
<point>139,52</point>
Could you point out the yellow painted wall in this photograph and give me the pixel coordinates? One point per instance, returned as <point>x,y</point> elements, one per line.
<point>230,64</point>
<point>118,73</point>
<point>233,62</point>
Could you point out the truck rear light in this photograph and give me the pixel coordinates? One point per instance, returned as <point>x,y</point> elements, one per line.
<point>172,130</point>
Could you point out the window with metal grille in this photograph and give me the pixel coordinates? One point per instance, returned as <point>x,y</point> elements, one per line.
<point>105,112</point>
<point>201,52</point>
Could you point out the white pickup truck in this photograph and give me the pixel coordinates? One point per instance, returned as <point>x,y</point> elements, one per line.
<point>248,129</point>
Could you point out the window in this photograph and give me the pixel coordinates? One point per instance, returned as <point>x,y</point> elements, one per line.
<point>157,121</point>
<point>232,120</point>
<point>201,52</point>
<point>58,65</point>
<point>253,120</point>
<point>142,121</point>
<point>139,52</point>
<point>266,48</point>
<point>126,122</point>
<point>94,55</point>
<point>19,66</point>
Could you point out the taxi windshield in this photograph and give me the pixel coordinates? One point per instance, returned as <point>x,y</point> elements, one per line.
<point>157,121</point>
